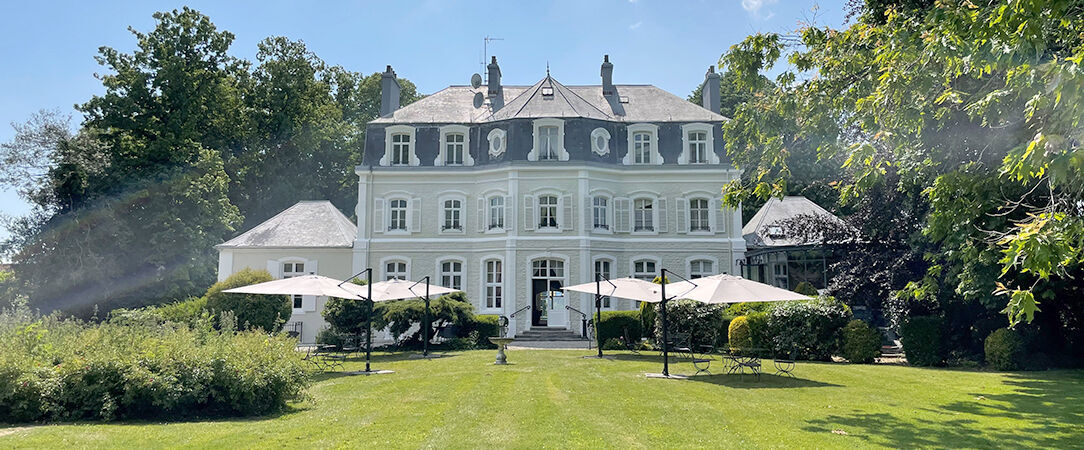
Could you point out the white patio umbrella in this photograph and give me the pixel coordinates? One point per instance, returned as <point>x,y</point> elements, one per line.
<point>628,288</point>
<point>302,285</point>
<point>723,288</point>
<point>396,289</point>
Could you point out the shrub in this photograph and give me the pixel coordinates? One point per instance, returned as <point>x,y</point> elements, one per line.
<point>334,338</point>
<point>402,315</point>
<point>266,312</point>
<point>738,334</point>
<point>614,324</point>
<point>922,340</point>
<point>805,288</point>
<point>809,329</point>
<point>192,311</point>
<point>702,321</point>
<point>758,330</point>
<point>52,370</point>
<point>861,342</point>
<point>347,316</point>
<point>478,329</point>
<point>1004,350</point>
<point>744,309</point>
<point>648,313</point>
<point>612,344</point>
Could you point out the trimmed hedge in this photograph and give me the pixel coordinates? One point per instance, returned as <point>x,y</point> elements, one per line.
<point>703,322</point>
<point>61,370</point>
<point>861,342</point>
<point>477,330</point>
<point>1004,350</point>
<point>739,334</point>
<point>923,341</point>
<point>809,329</point>
<point>614,323</point>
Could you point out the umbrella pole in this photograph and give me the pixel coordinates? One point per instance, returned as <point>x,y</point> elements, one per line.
<point>425,335</point>
<point>665,334</point>
<point>598,312</point>
<point>369,324</point>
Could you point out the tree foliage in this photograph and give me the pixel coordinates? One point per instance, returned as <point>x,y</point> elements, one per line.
<point>252,311</point>
<point>976,107</point>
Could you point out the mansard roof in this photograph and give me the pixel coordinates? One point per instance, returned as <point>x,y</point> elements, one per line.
<point>631,103</point>
<point>306,224</point>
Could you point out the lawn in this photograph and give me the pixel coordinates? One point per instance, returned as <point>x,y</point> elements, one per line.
<point>555,398</point>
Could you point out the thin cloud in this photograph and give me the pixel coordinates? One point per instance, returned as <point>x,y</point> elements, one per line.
<point>753,7</point>
<point>636,25</point>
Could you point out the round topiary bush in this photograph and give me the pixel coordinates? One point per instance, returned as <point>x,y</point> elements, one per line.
<point>266,312</point>
<point>805,288</point>
<point>1004,350</point>
<point>738,334</point>
<point>861,342</point>
<point>923,341</point>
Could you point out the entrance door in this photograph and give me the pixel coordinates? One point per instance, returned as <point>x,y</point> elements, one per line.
<point>548,308</point>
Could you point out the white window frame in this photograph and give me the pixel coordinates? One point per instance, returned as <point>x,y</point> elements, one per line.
<point>486,284</point>
<point>442,151</point>
<point>297,302</point>
<point>607,213</point>
<point>707,211</point>
<point>709,153</point>
<point>608,302</point>
<point>498,142</point>
<point>536,150</point>
<point>653,130</point>
<point>604,149</point>
<point>461,273</point>
<point>400,129</point>
<point>654,215</point>
<point>394,259</point>
<point>406,216</point>
<point>490,214</point>
<point>556,212</point>
<point>697,258</point>
<point>632,267</point>
<point>457,197</point>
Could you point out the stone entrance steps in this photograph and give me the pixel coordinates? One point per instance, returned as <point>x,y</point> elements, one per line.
<point>548,334</point>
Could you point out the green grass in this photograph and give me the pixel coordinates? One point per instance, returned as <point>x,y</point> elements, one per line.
<point>557,399</point>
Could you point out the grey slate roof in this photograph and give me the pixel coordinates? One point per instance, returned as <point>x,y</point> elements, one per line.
<point>309,224</point>
<point>646,103</point>
<point>775,210</point>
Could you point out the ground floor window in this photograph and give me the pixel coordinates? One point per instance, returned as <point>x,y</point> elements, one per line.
<point>395,270</point>
<point>701,268</point>
<point>644,269</point>
<point>602,269</point>
<point>451,274</point>
<point>494,283</point>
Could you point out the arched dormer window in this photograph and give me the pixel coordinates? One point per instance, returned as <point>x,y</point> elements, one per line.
<point>643,145</point>
<point>549,141</point>
<point>399,146</point>
<point>697,144</point>
<point>454,147</point>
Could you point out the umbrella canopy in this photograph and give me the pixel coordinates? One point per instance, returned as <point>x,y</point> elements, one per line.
<point>302,285</point>
<point>725,288</point>
<point>627,288</point>
<point>397,290</point>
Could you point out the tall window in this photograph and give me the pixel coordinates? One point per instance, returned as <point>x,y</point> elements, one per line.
<point>643,213</point>
<point>398,215</point>
<point>701,268</point>
<point>641,148</point>
<point>602,268</point>
<point>698,147</point>
<point>698,215</point>
<point>644,269</point>
<point>547,143</point>
<point>453,212</point>
<point>496,212</point>
<point>547,211</point>
<point>400,149</point>
<point>451,274</point>
<point>494,285</point>
<point>599,212</point>
<point>395,270</point>
<point>453,151</point>
<point>290,270</point>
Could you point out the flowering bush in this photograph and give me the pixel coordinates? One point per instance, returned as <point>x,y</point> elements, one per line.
<point>809,329</point>
<point>52,369</point>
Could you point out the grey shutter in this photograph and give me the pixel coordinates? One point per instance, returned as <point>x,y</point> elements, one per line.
<point>721,215</point>
<point>566,213</point>
<point>274,268</point>
<point>621,215</point>
<point>682,215</point>
<point>482,207</point>
<point>508,212</point>
<point>588,213</point>
<point>416,215</point>
<point>528,213</point>
<point>379,225</point>
<point>664,216</point>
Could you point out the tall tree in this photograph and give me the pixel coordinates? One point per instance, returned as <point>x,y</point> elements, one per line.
<point>977,107</point>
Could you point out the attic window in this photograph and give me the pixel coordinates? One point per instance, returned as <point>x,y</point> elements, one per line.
<point>623,99</point>
<point>775,232</point>
<point>547,91</point>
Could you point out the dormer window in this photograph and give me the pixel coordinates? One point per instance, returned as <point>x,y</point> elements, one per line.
<point>549,136</point>
<point>547,142</point>
<point>641,147</point>
<point>547,91</point>
<point>775,232</point>
<point>453,149</point>
<point>698,147</point>
<point>643,144</point>
<point>400,149</point>
<point>697,142</point>
<point>399,146</point>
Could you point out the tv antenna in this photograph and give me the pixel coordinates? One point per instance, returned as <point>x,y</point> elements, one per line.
<point>485,54</point>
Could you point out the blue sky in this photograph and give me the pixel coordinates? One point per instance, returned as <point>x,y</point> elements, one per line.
<point>47,49</point>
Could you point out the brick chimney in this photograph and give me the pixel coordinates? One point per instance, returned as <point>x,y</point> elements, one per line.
<point>607,77</point>
<point>494,78</point>
<point>389,92</point>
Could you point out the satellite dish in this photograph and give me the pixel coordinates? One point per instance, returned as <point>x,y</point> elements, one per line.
<point>475,81</point>
<point>479,99</point>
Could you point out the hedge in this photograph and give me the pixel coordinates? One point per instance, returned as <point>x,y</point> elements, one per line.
<point>922,339</point>
<point>615,322</point>
<point>1004,350</point>
<point>266,312</point>
<point>808,329</point>
<point>61,370</point>
<point>861,342</point>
